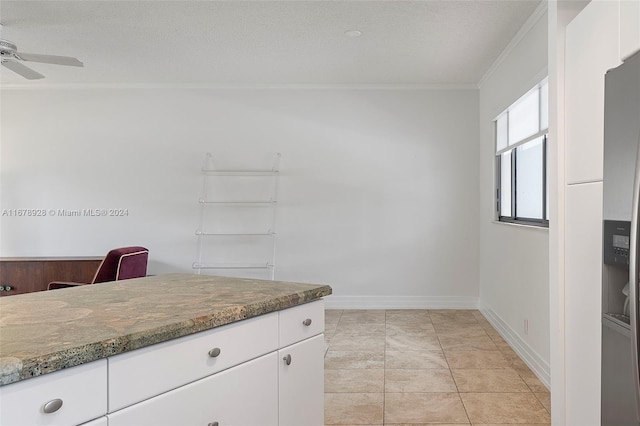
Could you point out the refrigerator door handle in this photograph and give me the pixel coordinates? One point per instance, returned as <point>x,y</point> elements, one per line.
<point>633,282</point>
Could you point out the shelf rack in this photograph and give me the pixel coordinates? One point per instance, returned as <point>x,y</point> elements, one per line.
<point>238,217</point>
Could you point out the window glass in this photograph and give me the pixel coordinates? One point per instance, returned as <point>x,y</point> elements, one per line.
<point>505,184</point>
<point>529,173</point>
<point>524,117</point>
<point>501,132</point>
<point>522,186</point>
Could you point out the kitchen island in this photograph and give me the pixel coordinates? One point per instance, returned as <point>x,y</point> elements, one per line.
<point>171,349</point>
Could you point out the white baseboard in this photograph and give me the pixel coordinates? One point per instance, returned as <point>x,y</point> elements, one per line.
<point>534,361</point>
<point>400,302</point>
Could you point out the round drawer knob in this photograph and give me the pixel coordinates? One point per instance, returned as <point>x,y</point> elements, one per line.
<point>287,359</point>
<point>7,288</point>
<point>52,406</point>
<point>1,288</point>
<point>214,352</point>
<point>307,322</point>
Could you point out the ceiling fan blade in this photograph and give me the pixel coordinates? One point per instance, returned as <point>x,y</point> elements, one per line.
<point>18,68</point>
<point>50,59</point>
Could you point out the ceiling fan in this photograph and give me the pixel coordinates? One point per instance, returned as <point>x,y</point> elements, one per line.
<point>12,59</point>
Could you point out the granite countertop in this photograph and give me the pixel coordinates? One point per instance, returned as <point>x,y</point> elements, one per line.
<point>47,331</point>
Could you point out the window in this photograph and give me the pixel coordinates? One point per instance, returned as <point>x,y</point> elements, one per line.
<point>521,159</point>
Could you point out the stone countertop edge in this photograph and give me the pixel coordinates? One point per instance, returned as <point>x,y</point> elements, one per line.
<point>15,369</point>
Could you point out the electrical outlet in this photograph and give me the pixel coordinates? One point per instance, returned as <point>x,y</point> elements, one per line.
<point>526,326</point>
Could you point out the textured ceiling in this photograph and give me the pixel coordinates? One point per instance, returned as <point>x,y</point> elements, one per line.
<point>256,43</point>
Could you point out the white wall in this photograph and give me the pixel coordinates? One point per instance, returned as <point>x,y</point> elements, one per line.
<point>378,193</point>
<point>514,264</point>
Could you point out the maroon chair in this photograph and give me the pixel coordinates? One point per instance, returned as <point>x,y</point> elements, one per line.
<point>119,264</point>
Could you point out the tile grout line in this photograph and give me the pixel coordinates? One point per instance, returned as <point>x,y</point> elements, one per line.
<point>464,407</point>
<point>384,374</point>
<point>500,349</point>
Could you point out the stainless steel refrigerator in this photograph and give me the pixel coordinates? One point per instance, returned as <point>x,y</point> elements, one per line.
<point>621,239</point>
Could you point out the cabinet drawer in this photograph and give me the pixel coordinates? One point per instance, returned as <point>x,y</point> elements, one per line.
<point>245,395</point>
<point>147,372</point>
<point>293,322</point>
<point>82,390</point>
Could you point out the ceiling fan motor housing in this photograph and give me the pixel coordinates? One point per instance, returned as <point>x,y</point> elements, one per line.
<point>7,48</point>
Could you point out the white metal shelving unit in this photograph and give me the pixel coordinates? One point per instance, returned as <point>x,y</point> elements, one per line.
<point>237,231</point>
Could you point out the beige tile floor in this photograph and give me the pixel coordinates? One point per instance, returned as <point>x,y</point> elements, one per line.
<point>423,367</point>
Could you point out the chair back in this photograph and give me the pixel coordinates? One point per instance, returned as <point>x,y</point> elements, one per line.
<point>122,264</point>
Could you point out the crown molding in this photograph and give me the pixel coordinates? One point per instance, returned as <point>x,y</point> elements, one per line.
<point>26,86</point>
<point>522,32</point>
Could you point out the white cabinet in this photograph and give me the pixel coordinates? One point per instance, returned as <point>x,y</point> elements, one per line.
<point>284,387</point>
<point>301,379</point>
<point>301,371</point>
<point>102,421</point>
<point>592,48</point>
<point>583,296</point>
<point>629,28</point>
<point>134,376</point>
<point>66,397</point>
<point>238,374</point>
<point>301,322</point>
<point>246,395</point>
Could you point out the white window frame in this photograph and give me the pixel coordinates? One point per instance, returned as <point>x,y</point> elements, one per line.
<point>511,146</point>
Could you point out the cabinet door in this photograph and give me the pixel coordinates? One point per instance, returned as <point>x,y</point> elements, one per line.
<point>592,48</point>
<point>22,277</point>
<point>629,28</point>
<point>246,395</point>
<point>26,275</point>
<point>72,270</point>
<point>583,301</point>
<point>301,377</point>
